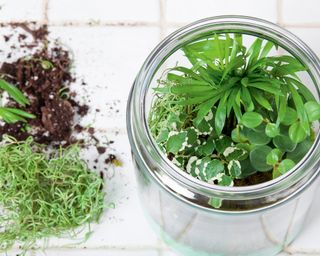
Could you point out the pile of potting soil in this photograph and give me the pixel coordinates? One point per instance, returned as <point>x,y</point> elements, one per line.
<point>45,78</point>
<point>41,69</point>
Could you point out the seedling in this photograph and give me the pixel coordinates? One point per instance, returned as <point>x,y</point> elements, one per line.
<point>12,115</point>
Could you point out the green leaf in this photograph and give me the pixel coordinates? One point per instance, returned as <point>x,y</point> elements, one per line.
<point>163,135</point>
<point>302,115</point>
<point>177,142</point>
<point>254,51</point>
<point>246,99</point>
<point>14,93</point>
<point>286,165</point>
<point>222,143</point>
<point>246,168</point>
<point>284,143</point>
<point>274,156</point>
<point>215,202</point>
<point>221,113</point>
<point>238,135</point>
<point>251,119</point>
<point>237,62</point>
<point>206,148</point>
<point>231,100</point>
<point>225,180</point>
<point>258,96</point>
<point>272,130</point>
<point>193,90</point>
<point>300,151</point>
<point>258,157</point>
<point>313,110</point>
<point>290,116</point>
<point>204,108</point>
<point>209,171</point>
<point>19,112</point>
<point>188,72</point>
<point>267,87</point>
<point>266,49</point>
<point>235,153</point>
<point>9,117</point>
<point>234,168</point>
<point>256,137</point>
<point>297,132</point>
<point>45,64</point>
<point>204,127</point>
<point>302,89</point>
<point>282,108</point>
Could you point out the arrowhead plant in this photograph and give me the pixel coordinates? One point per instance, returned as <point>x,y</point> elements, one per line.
<point>234,111</point>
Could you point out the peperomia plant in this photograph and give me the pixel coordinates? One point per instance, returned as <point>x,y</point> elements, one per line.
<point>234,112</point>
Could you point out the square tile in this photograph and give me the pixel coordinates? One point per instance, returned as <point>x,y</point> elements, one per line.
<point>108,59</point>
<point>17,10</point>
<point>296,11</point>
<point>185,11</point>
<point>98,10</point>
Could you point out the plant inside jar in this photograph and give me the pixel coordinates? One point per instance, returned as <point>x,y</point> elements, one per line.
<point>236,116</point>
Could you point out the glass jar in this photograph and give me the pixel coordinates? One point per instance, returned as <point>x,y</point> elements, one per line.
<point>253,220</point>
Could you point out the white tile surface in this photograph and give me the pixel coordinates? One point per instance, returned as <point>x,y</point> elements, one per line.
<point>186,11</point>
<point>297,11</point>
<point>108,58</point>
<point>20,10</point>
<point>104,10</point>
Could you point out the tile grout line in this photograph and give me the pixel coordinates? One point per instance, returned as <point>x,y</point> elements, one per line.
<point>162,18</point>
<point>45,12</point>
<point>280,13</point>
<point>116,23</point>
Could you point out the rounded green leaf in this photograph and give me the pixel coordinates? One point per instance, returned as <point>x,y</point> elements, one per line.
<point>235,153</point>
<point>163,135</point>
<point>256,138</point>
<point>290,117</point>
<point>237,135</point>
<point>176,141</point>
<point>313,110</point>
<point>251,119</point>
<point>274,156</point>
<point>286,165</point>
<point>272,130</point>
<point>284,143</point>
<point>215,202</point>
<point>300,151</point>
<point>225,180</point>
<point>258,158</point>
<point>234,168</point>
<point>206,148</point>
<point>209,170</point>
<point>297,132</point>
<point>246,168</point>
<point>222,143</point>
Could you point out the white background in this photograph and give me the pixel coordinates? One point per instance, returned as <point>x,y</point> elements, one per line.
<point>110,40</point>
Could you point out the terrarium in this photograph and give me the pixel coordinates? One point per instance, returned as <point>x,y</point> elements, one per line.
<point>223,125</point>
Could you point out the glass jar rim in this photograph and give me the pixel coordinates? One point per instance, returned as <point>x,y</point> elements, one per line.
<point>137,122</point>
